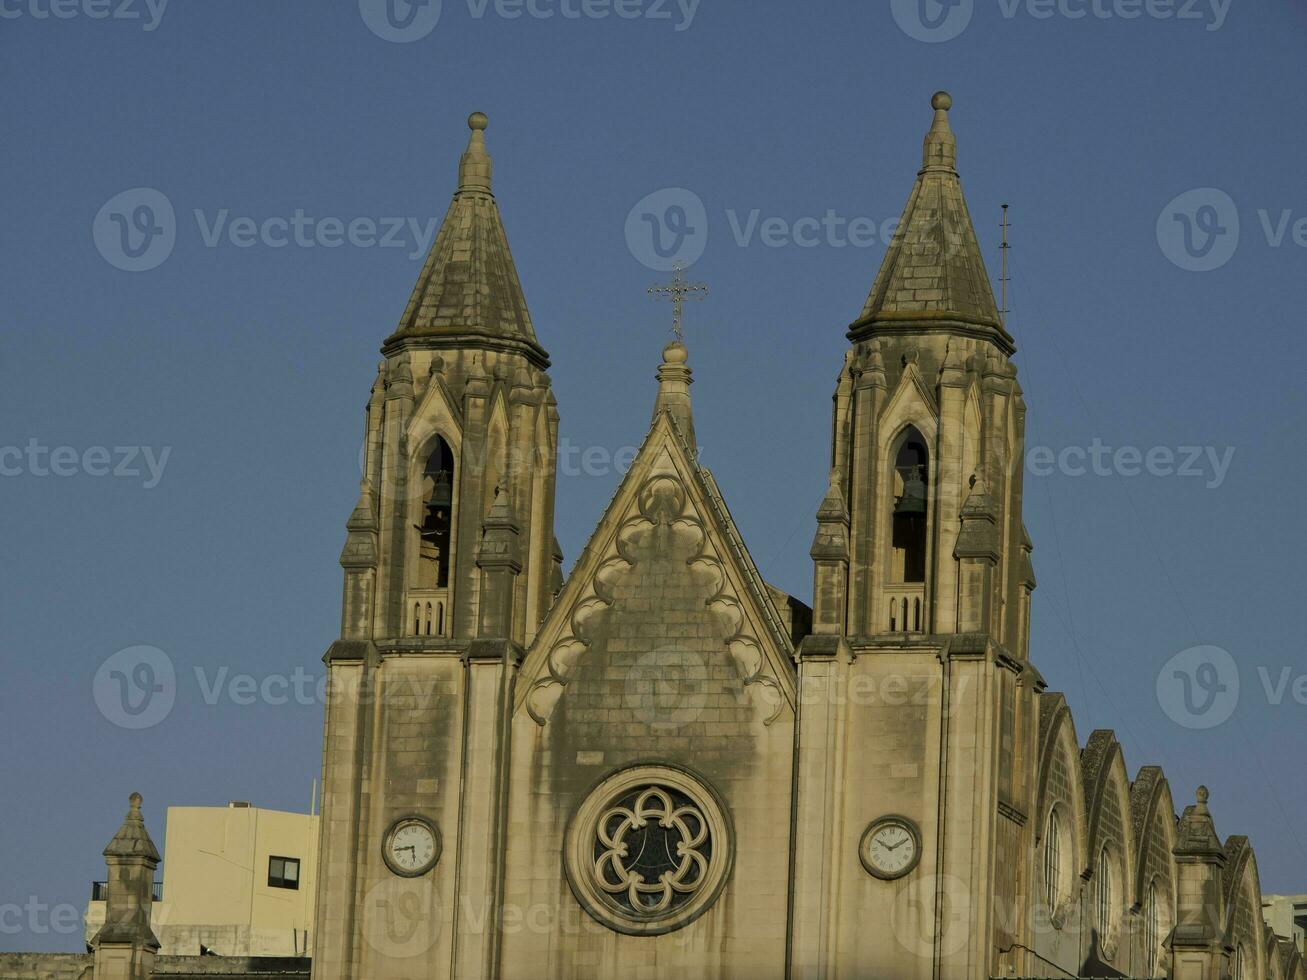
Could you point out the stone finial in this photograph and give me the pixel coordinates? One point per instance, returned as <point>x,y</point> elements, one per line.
<point>476,167</point>
<point>940,149</point>
<point>674,380</point>
<point>1197,832</point>
<point>132,839</point>
<point>833,509</point>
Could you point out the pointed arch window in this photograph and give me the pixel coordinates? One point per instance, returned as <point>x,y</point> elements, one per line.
<point>435,522</point>
<point>1053,865</point>
<point>1153,928</point>
<point>909,511</point>
<point>1105,904</point>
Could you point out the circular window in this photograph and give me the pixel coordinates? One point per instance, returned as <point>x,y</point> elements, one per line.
<point>649,850</point>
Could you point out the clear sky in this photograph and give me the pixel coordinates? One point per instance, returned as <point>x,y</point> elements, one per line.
<point>248,363</point>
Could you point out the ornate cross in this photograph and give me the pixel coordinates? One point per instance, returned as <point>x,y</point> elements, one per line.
<point>678,292</point>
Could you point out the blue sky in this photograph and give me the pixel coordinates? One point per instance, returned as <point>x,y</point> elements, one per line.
<point>249,364</point>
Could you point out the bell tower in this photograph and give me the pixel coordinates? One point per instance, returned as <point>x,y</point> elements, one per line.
<point>461,414</point>
<point>928,429</point>
<point>920,707</point>
<point>450,564</point>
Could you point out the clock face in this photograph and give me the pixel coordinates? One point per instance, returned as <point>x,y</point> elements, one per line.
<point>412,847</point>
<point>890,847</point>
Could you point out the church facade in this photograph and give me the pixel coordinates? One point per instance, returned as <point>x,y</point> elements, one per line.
<point>662,765</point>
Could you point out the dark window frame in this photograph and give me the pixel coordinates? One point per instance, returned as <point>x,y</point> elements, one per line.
<point>280,880</point>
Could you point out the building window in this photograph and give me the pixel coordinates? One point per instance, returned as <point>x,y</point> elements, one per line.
<point>284,873</point>
<point>1053,865</point>
<point>1153,927</point>
<point>908,532</point>
<point>435,521</point>
<point>649,850</point>
<point>1105,916</point>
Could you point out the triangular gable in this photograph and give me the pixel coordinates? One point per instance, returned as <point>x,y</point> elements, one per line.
<point>664,488</point>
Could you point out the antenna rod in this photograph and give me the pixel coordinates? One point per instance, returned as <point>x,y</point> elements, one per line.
<point>1004,278</point>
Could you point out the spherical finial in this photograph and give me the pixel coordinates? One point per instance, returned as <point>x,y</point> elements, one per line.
<point>941,100</point>
<point>675,353</point>
<point>478,121</point>
<point>1202,795</point>
<point>136,800</point>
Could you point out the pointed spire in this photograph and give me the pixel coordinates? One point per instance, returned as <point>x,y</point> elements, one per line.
<point>468,291</point>
<point>939,150</point>
<point>476,168</point>
<point>832,538</point>
<point>933,275</point>
<point>131,859</point>
<point>499,535</point>
<point>674,380</point>
<point>1196,834</point>
<point>132,839</point>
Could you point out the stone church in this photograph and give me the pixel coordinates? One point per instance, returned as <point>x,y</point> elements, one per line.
<point>662,766</point>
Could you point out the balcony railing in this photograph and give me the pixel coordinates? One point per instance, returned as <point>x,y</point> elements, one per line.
<point>906,608</point>
<point>428,612</point>
<point>100,891</point>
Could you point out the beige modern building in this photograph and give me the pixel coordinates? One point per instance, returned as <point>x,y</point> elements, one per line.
<point>1287,916</point>
<point>237,881</point>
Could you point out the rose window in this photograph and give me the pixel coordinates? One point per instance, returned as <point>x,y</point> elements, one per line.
<point>648,850</point>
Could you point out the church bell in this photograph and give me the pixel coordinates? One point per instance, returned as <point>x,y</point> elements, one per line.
<point>913,501</point>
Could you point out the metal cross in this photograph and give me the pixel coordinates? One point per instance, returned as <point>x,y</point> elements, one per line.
<point>678,292</point>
